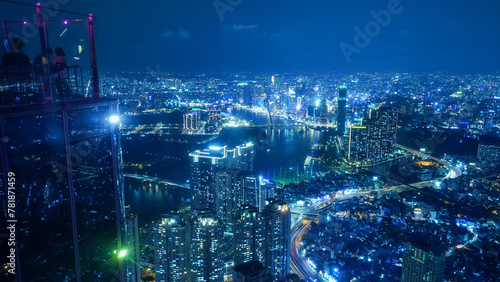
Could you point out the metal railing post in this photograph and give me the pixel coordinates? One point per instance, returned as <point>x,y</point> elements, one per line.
<point>47,91</point>
<point>93,58</point>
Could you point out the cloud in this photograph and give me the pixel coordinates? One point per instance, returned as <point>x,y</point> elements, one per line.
<point>182,33</point>
<point>238,27</point>
<point>168,34</point>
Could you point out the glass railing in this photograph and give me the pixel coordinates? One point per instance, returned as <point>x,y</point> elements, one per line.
<point>66,70</point>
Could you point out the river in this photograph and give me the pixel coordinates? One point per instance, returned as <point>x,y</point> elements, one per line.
<point>281,149</point>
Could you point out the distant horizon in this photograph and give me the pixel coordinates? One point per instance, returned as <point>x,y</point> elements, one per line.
<point>292,73</point>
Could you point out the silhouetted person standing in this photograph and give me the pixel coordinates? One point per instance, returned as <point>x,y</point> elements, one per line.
<point>38,62</point>
<point>59,74</point>
<point>16,64</point>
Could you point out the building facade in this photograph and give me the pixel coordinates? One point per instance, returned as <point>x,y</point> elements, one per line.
<point>172,248</point>
<point>341,109</point>
<point>423,263</point>
<point>207,249</point>
<point>204,167</point>
<point>249,230</point>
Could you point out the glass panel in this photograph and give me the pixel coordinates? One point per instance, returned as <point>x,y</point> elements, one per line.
<point>36,155</point>
<point>92,155</point>
<point>71,75</point>
<point>19,82</point>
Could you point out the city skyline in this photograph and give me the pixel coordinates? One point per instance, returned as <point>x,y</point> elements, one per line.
<point>325,36</point>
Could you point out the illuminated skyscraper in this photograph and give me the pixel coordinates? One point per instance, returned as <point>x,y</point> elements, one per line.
<point>133,269</point>
<point>249,230</point>
<point>234,189</point>
<point>382,132</point>
<point>241,157</point>
<point>323,112</point>
<point>423,262</point>
<point>172,246</point>
<point>248,95</point>
<point>191,122</point>
<point>341,110</point>
<point>206,163</point>
<point>63,147</point>
<point>358,144</point>
<point>266,191</point>
<point>277,219</point>
<point>207,252</point>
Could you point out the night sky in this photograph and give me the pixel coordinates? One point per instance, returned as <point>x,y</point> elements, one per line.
<point>290,36</point>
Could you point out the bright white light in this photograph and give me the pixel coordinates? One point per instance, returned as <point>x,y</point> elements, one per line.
<point>114,119</point>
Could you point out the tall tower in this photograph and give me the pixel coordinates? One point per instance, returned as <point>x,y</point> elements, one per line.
<point>234,189</point>
<point>206,163</point>
<point>382,132</point>
<point>341,109</point>
<point>249,244</point>
<point>277,218</point>
<point>207,248</point>
<point>248,95</point>
<point>133,269</point>
<point>423,262</point>
<point>60,165</point>
<point>358,143</point>
<point>172,245</point>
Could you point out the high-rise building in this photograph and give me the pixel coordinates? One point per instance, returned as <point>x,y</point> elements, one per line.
<point>207,261</point>
<point>248,95</point>
<point>191,123</point>
<point>214,123</point>
<point>423,262</point>
<point>266,191</point>
<point>264,236</point>
<point>206,163</point>
<point>323,112</point>
<point>249,230</point>
<point>172,246</point>
<point>277,219</point>
<point>241,157</point>
<point>375,139</point>
<point>132,268</point>
<point>358,144</point>
<point>60,156</point>
<point>234,188</point>
<point>428,113</point>
<point>486,152</point>
<point>382,132</point>
<point>341,110</point>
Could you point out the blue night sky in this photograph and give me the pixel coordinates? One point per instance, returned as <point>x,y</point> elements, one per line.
<point>296,36</point>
